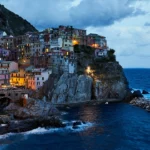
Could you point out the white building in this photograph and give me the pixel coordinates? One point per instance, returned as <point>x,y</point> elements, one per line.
<point>37,78</point>
<point>100,53</point>
<point>58,42</point>
<point>68,45</point>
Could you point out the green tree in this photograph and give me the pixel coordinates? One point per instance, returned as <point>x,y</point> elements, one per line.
<point>111,55</point>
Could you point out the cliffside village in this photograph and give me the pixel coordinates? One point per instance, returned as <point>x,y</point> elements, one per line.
<point>28,60</point>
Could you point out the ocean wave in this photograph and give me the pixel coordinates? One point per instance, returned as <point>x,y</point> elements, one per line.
<point>68,128</point>
<point>6,135</point>
<point>146,96</point>
<point>42,130</point>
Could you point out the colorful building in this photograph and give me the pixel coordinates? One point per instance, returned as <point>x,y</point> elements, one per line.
<point>18,77</point>
<point>6,68</point>
<point>37,77</point>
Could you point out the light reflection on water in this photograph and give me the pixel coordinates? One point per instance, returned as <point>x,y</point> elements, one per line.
<point>115,127</point>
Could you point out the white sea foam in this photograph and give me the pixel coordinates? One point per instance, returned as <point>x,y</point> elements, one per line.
<point>64,113</point>
<point>146,96</point>
<point>6,135</point>
<point>68,128</point>
<point>3,125</point>
<point>39,131</point>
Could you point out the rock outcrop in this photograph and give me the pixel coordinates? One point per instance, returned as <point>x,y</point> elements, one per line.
<point>33,108</point>
<point>105,82</point>
<point>110,81</point>
<point>29,124</point>
<point>145,92</point>
<point>71,89</point>
<point>141,102</point>
<point>137,93</point>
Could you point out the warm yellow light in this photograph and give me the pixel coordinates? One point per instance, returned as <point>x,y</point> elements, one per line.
<point>95,45</point>
<point>88,70</point>
<point>67,53</point>
<point>47,50</point>
<point>75,42</point>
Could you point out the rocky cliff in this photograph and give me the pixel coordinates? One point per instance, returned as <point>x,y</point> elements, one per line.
<point>106,82</point>
<point>68,89</point>
<point>13,24</point>
<point>109,81</point>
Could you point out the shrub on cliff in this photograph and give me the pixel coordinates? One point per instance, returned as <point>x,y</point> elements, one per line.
<point>83,48</point>
<point>111,55</point>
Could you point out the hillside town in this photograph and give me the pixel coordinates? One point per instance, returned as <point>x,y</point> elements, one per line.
<point>26,61</point>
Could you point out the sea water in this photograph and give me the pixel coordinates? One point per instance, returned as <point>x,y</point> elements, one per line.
<point>116,126</point>
<point>139,79</point>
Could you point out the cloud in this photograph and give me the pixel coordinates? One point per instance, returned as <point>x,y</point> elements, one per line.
<point>79,13</point>
<point>147,24</point>
<point>123,22</point>
<point>102,13</point>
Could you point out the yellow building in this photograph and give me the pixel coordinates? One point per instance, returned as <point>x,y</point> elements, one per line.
<point>18,78</point>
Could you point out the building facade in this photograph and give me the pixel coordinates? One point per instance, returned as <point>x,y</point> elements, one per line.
<point>37,78</point>
<point>6,68</point>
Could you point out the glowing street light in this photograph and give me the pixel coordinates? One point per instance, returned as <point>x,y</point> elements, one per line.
<point>75,42</point>
<point>88,70</point>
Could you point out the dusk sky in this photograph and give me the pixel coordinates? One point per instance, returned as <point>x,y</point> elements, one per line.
<point>125,23</point>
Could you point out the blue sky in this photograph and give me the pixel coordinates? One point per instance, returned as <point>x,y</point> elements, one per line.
<point>125,23</point>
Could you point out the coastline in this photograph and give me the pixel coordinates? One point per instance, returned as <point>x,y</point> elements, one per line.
<point>89,102</point>
<point>142,103</point>
<point>24,125</point>
<point>9,124</point>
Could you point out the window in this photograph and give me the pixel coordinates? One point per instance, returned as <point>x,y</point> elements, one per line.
<point>42,78</point>
<point>37,78</point>
<point>16,94</point>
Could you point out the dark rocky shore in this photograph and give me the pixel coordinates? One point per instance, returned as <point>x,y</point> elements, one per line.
<point>18,117</point>
<point>141,102</point>
<point>16,126</point>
